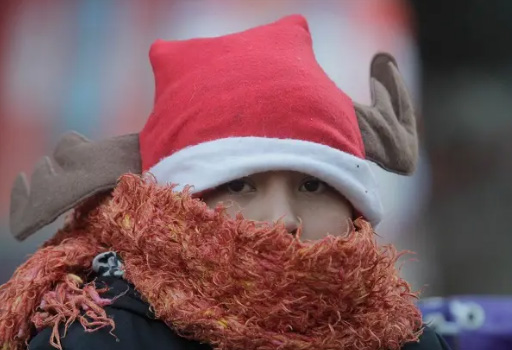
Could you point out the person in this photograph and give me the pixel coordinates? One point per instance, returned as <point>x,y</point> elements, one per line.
<point>246,221</point>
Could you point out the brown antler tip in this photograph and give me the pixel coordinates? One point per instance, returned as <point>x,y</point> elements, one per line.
<point>43,170</point>
<point>380,61</point>
<point>68,140</point>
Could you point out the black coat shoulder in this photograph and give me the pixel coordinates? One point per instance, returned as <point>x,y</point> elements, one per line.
<point>429,340</point>
<point>137,328</point>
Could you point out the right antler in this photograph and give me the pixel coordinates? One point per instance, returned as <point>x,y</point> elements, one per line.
<point>78,170</point>
<point>388,126</point>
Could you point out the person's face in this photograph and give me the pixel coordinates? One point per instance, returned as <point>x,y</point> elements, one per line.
<point>290,196</point>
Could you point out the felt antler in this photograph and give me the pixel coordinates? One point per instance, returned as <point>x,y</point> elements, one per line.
<point>388,126</point>
<point>78,170</point>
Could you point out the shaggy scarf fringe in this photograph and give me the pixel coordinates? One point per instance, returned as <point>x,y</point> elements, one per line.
<point>229,282</point>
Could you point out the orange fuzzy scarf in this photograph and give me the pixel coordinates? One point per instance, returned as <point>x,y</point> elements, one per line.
<point>228,282</point>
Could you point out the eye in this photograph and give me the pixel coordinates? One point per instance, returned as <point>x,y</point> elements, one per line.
<point>313,185</point>
<point>239,186</point>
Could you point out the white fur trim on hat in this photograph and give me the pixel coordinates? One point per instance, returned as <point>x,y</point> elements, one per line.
<point>214,163</point>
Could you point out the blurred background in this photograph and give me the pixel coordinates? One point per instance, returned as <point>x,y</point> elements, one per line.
<point>83,65</point>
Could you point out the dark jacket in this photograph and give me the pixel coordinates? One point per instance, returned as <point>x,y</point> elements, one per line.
<point>136,328</point>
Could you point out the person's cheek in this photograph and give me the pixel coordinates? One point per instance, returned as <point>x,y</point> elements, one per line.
<point>316,222</point>
<point>334,219</point>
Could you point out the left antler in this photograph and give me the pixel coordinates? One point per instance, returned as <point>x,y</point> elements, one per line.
<point>78,170</point>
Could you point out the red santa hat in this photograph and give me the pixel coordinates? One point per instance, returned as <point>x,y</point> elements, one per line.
<point>251,102</point>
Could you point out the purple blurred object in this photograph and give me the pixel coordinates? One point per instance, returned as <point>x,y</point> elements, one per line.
<point>471,322</point>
